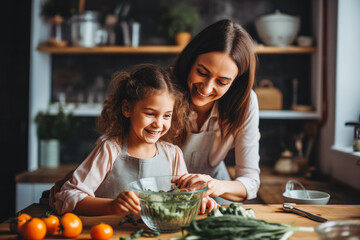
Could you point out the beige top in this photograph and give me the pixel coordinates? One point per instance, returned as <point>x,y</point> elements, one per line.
<point>246,144</point>
<point>91,173</point>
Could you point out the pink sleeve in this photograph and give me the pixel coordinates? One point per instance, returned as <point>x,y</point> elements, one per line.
<point>87,177</point>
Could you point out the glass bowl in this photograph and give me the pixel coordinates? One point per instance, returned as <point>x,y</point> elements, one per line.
<point>339,230</point>
<point>164,207</point>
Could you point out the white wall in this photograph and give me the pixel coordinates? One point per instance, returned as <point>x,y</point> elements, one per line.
<point>343,91</point>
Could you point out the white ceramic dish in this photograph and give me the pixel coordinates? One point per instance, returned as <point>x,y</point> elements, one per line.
<point>277,29</point>
<point>299,197</point>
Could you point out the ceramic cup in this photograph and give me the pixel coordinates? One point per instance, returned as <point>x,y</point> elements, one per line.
<point>304,41</point>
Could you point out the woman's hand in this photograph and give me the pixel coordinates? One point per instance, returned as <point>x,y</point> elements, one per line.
<point>215,186</point>
<point>127,201</point>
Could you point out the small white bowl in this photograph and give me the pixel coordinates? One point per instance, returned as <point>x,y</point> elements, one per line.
<point>299,197</point>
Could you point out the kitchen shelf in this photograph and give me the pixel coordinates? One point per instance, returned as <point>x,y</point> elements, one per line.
<point>77,109</point>
<point>171,49</point>
<point>94,110</point>
<point>288,114</point>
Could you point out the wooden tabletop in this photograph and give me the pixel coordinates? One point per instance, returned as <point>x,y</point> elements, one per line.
<point>271,213</point>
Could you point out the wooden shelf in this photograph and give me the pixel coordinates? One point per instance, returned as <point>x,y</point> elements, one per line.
<point>260,49</point>
<point>112,50</point>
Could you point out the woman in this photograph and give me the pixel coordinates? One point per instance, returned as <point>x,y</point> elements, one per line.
<point>217,70</point>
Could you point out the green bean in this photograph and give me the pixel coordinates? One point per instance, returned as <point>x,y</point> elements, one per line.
<point>141,233</point>
<point>235,227</point>
<point>130,219</point>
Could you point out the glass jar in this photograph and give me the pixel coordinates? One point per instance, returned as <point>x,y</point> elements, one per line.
<point>339,230</point>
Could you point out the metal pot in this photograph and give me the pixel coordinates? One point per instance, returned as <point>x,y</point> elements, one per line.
<point>84,29</point>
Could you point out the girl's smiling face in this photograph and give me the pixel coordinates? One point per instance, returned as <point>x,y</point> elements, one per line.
<point>150,118</point>
<point>210,78</point>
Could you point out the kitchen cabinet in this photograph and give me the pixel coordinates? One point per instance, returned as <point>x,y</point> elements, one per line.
<point>41,69</point>
<point>30,185</point>
<point>28,193</point>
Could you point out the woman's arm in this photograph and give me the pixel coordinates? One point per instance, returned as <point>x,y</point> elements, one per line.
<point>247,157</point>
<point>230,190</point>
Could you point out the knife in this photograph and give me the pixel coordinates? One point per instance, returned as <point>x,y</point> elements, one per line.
<point>290,208</point>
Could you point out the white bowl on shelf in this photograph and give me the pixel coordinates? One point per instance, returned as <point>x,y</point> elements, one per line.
<point>278,29</point>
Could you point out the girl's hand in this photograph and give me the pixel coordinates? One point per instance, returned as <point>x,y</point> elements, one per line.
<point>127,201</point>
<point>215,186</point>
<point>207,205</point>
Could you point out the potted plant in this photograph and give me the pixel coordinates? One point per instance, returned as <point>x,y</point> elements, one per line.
<point>51,129</point>
<point>179,21</point>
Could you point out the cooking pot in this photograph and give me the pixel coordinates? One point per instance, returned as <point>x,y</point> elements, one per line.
<point>85,28</point>
<point>277,29</point>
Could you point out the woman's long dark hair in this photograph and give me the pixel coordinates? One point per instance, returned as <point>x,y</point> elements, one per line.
<point>228,37</point>
<point>134,85</point>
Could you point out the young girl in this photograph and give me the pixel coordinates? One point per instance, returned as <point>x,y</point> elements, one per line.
<point>135,120</point>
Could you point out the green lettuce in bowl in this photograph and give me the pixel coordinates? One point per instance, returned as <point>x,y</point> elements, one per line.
<point>164,207</point>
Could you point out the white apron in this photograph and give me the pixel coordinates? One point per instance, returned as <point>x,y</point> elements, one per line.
<point>127,169</point>
<point>197,150</point>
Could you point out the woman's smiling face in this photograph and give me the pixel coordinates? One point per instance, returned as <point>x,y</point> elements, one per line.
<point>210,78</point>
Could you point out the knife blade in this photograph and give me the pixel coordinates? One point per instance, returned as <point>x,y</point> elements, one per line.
<point>290,208</point>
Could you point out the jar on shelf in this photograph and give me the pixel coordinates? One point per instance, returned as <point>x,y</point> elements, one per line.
<point>56,36</point>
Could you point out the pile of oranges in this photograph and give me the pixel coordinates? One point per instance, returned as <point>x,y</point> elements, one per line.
<point>68,226</point>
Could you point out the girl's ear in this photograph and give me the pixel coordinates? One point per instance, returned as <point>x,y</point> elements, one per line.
<point>125,108</point>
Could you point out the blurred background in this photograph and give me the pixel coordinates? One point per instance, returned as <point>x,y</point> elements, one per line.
<point>47,63</point>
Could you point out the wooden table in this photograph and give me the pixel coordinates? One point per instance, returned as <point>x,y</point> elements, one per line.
<point>271,213</point>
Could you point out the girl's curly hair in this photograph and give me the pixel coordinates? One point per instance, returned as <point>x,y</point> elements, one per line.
<point>134,85</point>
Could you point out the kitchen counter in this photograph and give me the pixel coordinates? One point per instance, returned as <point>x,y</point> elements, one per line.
<point>42,175</point>
<point>271,213</point>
